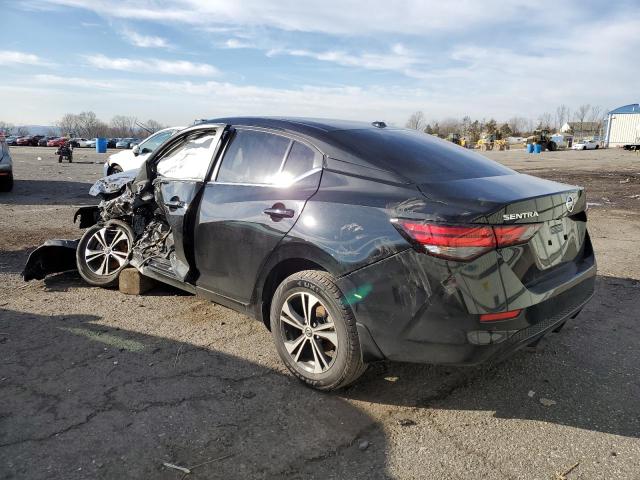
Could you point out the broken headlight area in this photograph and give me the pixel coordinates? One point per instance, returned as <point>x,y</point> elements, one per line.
<point>123,199</point>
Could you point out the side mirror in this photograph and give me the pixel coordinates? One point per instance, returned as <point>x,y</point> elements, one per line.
<point>136,150</point>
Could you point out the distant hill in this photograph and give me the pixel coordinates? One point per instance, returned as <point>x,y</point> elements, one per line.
<point>41,129</point>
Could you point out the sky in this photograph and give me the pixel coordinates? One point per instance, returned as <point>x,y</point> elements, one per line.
<point>180,60</point>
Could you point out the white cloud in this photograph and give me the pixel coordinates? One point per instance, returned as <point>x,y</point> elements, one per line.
<point>152,65</point>
<point>398,58</point>
<point>356,17</point>
<point>10,57</point>
<point>237,43</point>
<point>145,41</point>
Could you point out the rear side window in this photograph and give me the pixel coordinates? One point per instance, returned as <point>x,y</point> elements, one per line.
<point>417,156</point>
<point>253,157</point>
<point>301,159</point>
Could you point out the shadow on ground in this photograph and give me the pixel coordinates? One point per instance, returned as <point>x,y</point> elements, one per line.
<point>590,369</point>
<point>48,192</point>
<point>81,400</point>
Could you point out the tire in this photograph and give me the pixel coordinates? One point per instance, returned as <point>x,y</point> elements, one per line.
<point>552,146</point>
<point>116,236</point>
<point>115,168</point>
<point>321,349</point>
<point>6,183</point>
<point>597,146</point>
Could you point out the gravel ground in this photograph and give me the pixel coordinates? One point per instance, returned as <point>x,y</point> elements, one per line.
<point>96,384</point>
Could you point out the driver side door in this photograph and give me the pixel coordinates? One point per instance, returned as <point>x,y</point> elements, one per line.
<point>180,172</point>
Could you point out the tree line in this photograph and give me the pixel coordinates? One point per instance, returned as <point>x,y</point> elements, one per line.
<point>88,125</point>
<point>473,129</point>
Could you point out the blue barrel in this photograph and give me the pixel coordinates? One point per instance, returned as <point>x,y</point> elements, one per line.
<point>529,147</point>
<point>538,148</point>
<point>101,145</point>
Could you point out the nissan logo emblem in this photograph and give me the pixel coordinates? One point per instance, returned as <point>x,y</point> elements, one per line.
<point>570,203</point>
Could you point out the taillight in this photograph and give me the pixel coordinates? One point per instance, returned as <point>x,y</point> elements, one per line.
<point>464,242</point>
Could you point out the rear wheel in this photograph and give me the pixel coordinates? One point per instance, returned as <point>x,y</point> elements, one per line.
<point>315,331</point>
<point>103,251</point>
<point>552,146</point>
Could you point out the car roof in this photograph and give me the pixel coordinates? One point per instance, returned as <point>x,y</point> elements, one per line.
<point>409,155</point>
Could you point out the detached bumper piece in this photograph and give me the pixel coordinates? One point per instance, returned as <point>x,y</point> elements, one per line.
<point>53,256</point>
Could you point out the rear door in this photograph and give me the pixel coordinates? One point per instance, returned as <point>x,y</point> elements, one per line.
<point>180,174</point>
<point>256,195</point>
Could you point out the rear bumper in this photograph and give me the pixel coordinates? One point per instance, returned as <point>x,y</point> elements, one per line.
<point>422,315</point>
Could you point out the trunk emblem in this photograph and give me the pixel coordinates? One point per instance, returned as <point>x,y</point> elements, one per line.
<point>570,203</point>
<point>518,216</point>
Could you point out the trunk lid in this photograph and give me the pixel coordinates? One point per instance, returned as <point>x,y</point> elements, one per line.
<point>504,199</point>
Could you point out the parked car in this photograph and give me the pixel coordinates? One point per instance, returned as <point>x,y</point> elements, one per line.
<point>44,140</point>
<point>57,142</point>
<point>92,143</point>
<point>12,141</point>
<point>6,167</point>
<point>585,145</point>
<point>111,143</point>
<point>127,142</point>
<point>132,159</point>
<point>24,141</point>
<point>351,242</point>
<point>81,142</point>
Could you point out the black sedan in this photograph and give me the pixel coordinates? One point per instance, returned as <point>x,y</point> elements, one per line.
<point>352,242</point>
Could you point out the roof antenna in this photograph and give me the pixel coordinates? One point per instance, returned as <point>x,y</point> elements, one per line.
<point>378,124</point>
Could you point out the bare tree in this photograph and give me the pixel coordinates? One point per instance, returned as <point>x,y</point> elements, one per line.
<point>7,128</point>
<point>123,126</point>
<point>416,121</point>
<point>21,131</point>
<point>517,125</point>
<point>152,126</point>
<point>449,126</point>
<point>580,116</point>
<point>562,116</point>
<point>545,121</point>
<point>68,125</point>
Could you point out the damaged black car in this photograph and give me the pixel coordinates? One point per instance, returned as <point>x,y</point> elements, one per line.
<point>352,242</point>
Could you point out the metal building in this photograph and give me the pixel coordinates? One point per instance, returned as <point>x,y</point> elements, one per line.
<point>623,126</point>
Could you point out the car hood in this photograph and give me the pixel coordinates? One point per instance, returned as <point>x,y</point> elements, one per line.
<point>112,183</point>
<point>120,156</point>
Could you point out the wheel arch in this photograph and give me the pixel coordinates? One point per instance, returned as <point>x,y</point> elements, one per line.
<point>283,262</point>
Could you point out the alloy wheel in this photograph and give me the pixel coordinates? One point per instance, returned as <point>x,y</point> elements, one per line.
<point>309,334</point>
<point>107,250</point>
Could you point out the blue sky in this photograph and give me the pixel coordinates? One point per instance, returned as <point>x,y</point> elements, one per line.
<point>179,60</point>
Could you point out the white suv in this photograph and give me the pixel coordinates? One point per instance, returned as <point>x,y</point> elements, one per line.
<point>132,159</point>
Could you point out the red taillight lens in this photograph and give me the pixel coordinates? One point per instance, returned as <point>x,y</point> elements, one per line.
<point>464,242</point>
<point>514,234</point>
<point>494,317</point>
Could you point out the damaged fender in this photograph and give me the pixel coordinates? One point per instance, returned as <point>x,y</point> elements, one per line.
<point>53,256</point>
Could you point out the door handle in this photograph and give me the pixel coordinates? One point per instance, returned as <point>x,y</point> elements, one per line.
<point>279,212</point>
<point>174,203</point>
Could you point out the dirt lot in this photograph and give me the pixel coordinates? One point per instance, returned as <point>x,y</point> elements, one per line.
<point>96,384</point>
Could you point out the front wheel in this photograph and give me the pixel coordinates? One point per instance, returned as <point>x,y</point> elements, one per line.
<point>103,251</point>
<point>115,168</point>
<point>315,331</point>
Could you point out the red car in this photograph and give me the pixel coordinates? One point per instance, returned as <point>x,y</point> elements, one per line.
<point>57,142</point>
<point>29,140</point>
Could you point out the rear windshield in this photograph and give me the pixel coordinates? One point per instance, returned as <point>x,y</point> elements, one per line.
<point>420,157</point>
